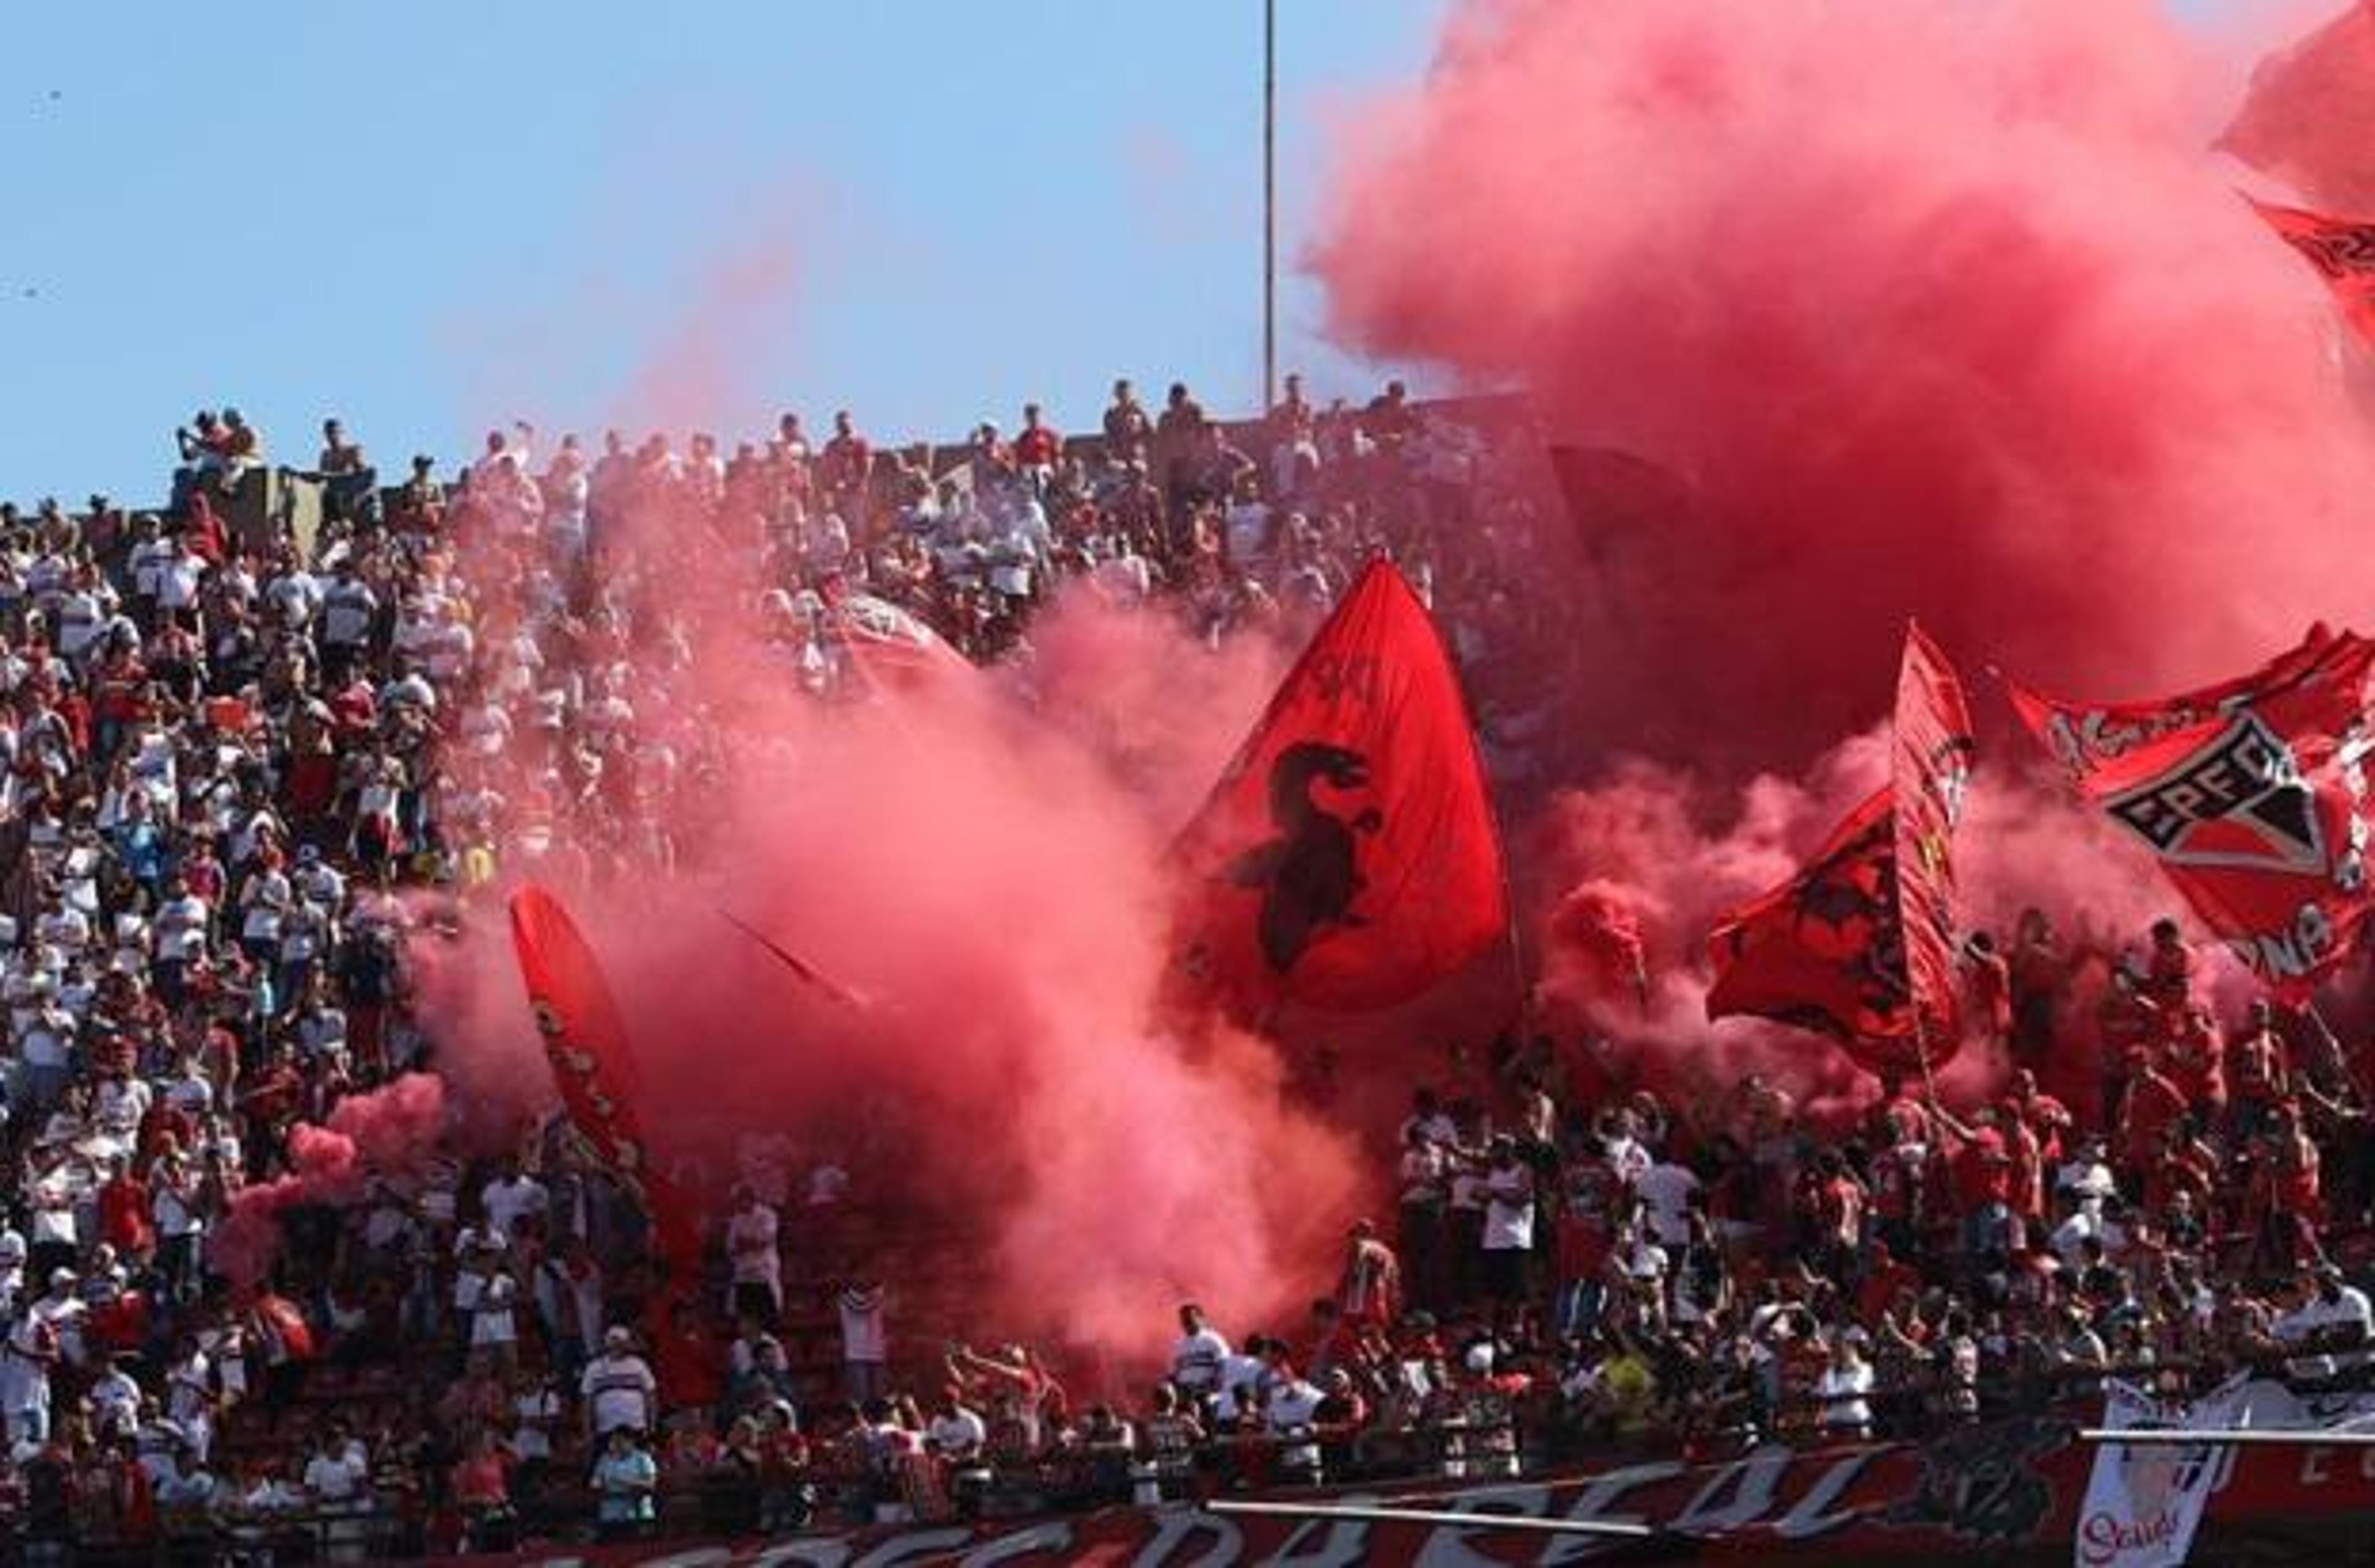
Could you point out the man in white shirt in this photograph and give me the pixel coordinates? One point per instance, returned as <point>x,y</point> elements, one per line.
<point>1199,1355</point>
<point>2333,1318</point>
<point>956,1432</point>
<point>758,1265</point>
<point>619,1391</point>
<point>513,1196</point>
<point>1508,1238</point>
<point>1666,1188</point>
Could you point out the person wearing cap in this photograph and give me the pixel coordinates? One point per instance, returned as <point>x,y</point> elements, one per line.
<point>619,1391</point>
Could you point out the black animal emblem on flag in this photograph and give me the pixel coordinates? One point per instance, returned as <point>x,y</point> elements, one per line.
<point>1310,872</point>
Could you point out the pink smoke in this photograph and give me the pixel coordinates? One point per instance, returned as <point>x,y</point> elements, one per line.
<point>1938,311</point>
<point>386,1132</point>
<point>985,862</point>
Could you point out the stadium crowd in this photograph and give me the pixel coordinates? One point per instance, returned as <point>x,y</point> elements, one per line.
<point>243,767</point>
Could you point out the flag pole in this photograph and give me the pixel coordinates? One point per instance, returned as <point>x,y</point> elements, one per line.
<point>1269,206</point>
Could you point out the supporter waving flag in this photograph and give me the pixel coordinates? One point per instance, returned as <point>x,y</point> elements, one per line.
<point>592,1066</point>
<point>1348,858</point>
<point>2343,250</point>
<point>2252,794</point>
<point>1860,946</point>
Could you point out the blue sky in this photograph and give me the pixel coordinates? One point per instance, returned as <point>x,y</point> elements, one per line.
<point>431,215</point>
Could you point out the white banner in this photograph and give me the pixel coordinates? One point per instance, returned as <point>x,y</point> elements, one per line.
<point>2145,1502</point>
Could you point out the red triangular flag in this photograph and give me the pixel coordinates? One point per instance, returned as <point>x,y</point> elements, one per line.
<point>1348,858</point>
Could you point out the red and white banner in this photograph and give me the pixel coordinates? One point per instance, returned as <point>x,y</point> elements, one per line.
<point>2251,795</point>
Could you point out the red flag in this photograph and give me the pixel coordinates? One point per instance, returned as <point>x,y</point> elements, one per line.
<point>1929,766</point>
<point>2250,794</point>
<point>2342,250</point>
<point>1348,857</point>
<point>2309,119</point>
<point>592,1066</point>
<point>1825,951</point>
<point>1860,946</point>
<point>1609,492</point>
<point>888,645</point>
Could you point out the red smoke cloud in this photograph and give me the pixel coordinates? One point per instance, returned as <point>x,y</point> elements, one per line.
<point>983,862</point>
<point>386,1132</point>
<point>1939,311</point>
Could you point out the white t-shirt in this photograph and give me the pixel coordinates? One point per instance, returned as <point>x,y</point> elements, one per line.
<point>751,1244</point>
<point>1665,1190</point>
<point>1197,1359</point>
<point>621,1389</point>
<point>1509,1209</point>
<point>960,1436</point>
<point>1838,1381</point>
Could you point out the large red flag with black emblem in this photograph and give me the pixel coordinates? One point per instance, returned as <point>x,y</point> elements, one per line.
<point>2250,794</point>
<point>1931,751</point>
<point>1825,951</point>
<point>2343,250</point>
<point>1348,858</point>
<point>594,1068</point>
<point>1860,945</point>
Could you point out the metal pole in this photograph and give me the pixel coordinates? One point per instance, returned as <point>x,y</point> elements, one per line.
<point>1269,204</point>
<point>1484,1523</point>
<point>2249,1437</point>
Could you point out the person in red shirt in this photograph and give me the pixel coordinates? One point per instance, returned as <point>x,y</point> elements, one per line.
<point>2198,1062</point>
<point>2292,1201</point>
<point>2152,1104</point>
<point>2259,1066</point>
<point>125,1215</point>
<point>1987,990</point>
<point>2048,1117</point>
<point>2169,972</point>
<point>2025,1158</point>
<point>2126,1020</point>
<point>1037,448</point>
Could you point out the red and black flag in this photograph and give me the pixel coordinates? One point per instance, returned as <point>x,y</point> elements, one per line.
<point>1825,951</point>
<point>595,1070</point>
<point>2309,118</point>
<point>2250,794</point>
<point>2343,250</point>
<point>1860,945</point>
<point>1348,858</point>
<point>1931,752</point>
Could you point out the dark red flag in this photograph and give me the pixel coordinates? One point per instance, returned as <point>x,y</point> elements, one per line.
<point>594,1068</point>
<point>1348,858</point>
<point>1860,946</point>
<point>2309,119</point>
<point>1609,493</point>
<point>2251,795</point>
<point>2343,250</point>
<point>1931,753</point>
<point>1825,951</point>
